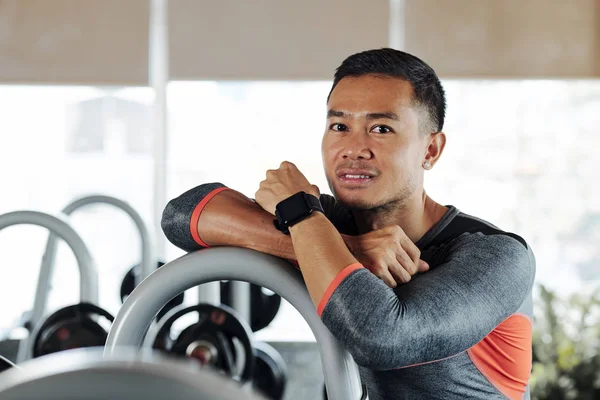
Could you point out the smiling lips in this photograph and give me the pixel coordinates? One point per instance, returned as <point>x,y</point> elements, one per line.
<point>356,177</point>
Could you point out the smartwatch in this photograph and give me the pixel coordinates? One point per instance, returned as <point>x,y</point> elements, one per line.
<point>295,209</point>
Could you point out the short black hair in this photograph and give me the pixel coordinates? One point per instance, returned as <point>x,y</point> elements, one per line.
<point>427,88</point>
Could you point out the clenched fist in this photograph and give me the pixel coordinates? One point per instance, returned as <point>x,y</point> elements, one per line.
<point>282,183</point>
<point>388,253</point>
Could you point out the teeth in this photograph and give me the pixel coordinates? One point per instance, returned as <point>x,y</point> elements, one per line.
<point>357,176</point>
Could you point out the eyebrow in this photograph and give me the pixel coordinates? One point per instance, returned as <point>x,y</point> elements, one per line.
<point>371,116</point>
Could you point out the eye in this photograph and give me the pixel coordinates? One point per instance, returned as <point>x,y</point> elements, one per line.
<point>338,127</point>
<point>382,129</point>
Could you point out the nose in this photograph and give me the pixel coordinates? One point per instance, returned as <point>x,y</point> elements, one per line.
<point>356,147</point>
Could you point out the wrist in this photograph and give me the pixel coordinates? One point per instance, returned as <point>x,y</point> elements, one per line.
<point>313,218</point>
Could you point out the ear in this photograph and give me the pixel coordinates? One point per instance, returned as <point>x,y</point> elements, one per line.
<point>435,146</point>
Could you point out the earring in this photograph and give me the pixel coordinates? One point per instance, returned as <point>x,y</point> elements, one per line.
<point>426,165</point>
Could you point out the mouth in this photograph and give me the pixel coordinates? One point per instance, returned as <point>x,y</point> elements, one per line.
<point>356,178</point>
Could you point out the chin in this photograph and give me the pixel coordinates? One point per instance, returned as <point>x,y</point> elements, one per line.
<point>355,202</point>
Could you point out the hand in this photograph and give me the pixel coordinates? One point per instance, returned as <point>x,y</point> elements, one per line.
<point>282,183</point>
<point>388,253</point>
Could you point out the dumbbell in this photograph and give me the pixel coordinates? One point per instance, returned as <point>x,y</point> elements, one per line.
<point>219,340</point>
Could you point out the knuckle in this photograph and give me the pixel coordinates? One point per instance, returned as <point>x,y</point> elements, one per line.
<point>392,229</point>
<point>413,269</point>
<point>391,282</point>
<point>377,268</point>
<point>417,253</point>
<point>398,233</point>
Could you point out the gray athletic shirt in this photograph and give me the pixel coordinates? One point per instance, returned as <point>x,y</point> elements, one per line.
<point>461,330</point>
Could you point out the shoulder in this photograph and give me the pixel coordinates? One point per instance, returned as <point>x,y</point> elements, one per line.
<point>464,229</point>
<point>473,239</point>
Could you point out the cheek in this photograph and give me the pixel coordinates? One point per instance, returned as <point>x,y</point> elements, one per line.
<point>327,153</point>
<point>400,163</point>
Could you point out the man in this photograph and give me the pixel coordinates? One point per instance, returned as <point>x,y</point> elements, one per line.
<point>431,303</point>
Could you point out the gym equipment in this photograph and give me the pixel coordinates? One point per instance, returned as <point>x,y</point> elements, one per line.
<point>130,374</point>
<point>211,340</point>
<point>128,284</point>
<point>71,327</point>
<point>147,264</point>
<point>5,364</point>
<point>230,263</point>
<point>76,326</point>
<point>87,269</point>
<point>270,372</point>
<point>263,306</point>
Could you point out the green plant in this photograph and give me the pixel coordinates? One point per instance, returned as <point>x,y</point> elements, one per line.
<point>566,347</point>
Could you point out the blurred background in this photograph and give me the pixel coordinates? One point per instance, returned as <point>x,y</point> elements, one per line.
<point>144,100</point>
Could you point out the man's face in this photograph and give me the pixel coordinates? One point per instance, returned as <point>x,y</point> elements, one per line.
<point>372,149</point>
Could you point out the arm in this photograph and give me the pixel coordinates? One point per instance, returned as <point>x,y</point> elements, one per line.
<point>436,315</point>
<point>213,215</point>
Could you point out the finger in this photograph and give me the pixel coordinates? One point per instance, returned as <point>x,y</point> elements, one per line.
<point>407,263</point>
<point>399,273</point>
<point>384,275</point>
<point>287,164</point>
<point>388,279</point>
<point>271,173</point>
<point>411,249</point>
<point>423,266</point>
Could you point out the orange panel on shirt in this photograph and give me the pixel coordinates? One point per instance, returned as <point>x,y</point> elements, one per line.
<point>504,355</point>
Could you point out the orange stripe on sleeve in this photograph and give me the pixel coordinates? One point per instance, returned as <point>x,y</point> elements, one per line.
<point>339,278</point>
<point>504,356</point>
<point>196,215</point>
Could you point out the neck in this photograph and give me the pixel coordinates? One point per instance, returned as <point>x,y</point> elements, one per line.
<point>415,215</point>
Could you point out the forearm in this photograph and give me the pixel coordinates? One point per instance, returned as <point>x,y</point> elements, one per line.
<point>213,215</point>
<point>232,219</point>
<point>321,253</point>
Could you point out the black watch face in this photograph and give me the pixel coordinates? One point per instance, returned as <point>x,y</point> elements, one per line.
<point>293,208</point>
